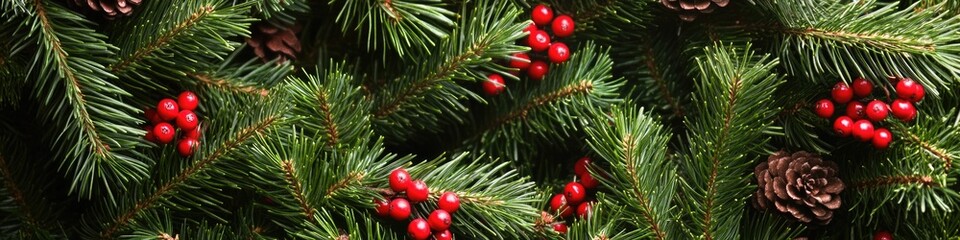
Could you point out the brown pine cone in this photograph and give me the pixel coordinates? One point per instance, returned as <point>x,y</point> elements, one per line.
<point>689,9</point>
<point>269,41</point>
<point>800,185</point>
<point>109,8</point>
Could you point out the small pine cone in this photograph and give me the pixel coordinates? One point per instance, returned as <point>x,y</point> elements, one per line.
<point>269,41</point>
<point>689,9</point>
<point>800,185</point>
<point>109,8</point>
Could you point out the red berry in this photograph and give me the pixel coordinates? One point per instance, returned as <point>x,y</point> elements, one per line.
<point>863,130</point>
<point>187,120</point>
<point>440,220</point>
<point>559,53</point>
<point>841,93</point>
<point>560,228</point>
<point>588,181</point>
<point>580,167</point>
<point>823,108</point>
<point>559,204</point>
<point>168,109</point>
<point>538,40</point>
<point>186,147</point>
<point>903,110</point>
<point>449,201</point>
<point>193,133</point>
<point>399,209</point>
<point>862,87</point>
<point>150,136</point>
<point>443,235</point>
<point>876,110</point>
<point>882,235</point>
<point>152,116</point>
<point>843,126</point>
<point>520,61</point>
<point>382,206</point>
<point>188,101</point>
<point>537,70</point>
<point>418,191</point>
<point>584,210</point>
<point>542,15</point>
<point>575,193</point>
<point>418,229</point>
<point>563,26</point>
<point>530,28</point>
<point>918,93</point>
<point>856,110</point>
<point>881,138</point>
<point>164,132</point>
<point>399,180</point>
<point>910,90</point>
<point>493,85</point>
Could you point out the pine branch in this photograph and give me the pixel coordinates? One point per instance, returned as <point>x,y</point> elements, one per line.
<point>396,25</point>
<point>253,77</point>
<point>353,225</point>
<point>283,12</point>
<point>732,100</point>
<point>26,208</point>
<point>159,225</point>
<point>331,106</point>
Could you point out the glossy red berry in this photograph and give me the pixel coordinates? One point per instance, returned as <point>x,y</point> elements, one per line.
<point>823,108</point>
<point>558,204</point>
<point>542,15</point>
<point>530,28</point>
<point>187,146</point>
<point>862,87</point>
<point>903,110</point>
<point>382,207</point>
<point>559,53</point>
<point>164,132</point>
<point>580,167</point>
<point>588,181</point>
<point>449,201</point>
<point>443,235</point>
<point>192,133</point>
<point>399,209</point>
<point>575,193</point>
<point>918,93</point>
<point>418,229</point>
<point>152,116</point>
<point>876,110</point>
<point>520,61</point>
<point>910,90</point>
<point>863,130</point>
<point>843,126</point>
<point>584,210</point>
<point>187,120</point>
<point>188,101</point>
<point>399,180</point>
<point>440,220</point>
<point>150,136</point>
<point>560,228</point>
<point>562,26</point>
<point>882,235</point>
<point>881,138</point>
<point>856,110</point>
<point>538,40</point>
<point>418,191</point>
<point>493,85</point>
<point>538,69</point>
<point>168,109</point>
<point>841,93</point>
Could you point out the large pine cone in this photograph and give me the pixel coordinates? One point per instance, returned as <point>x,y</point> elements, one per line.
<point>800,185</point>
<point>109,8</point>
<point>689,9</point>
<point>269,41</point>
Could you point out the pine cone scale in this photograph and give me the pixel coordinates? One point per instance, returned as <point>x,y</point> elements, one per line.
<point>800,185</point>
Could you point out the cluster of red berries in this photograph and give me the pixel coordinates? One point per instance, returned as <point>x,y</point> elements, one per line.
<point>179,112</point>
<point>859,118</point>
<point>399,207</point>
<point>574,196</point>
<point>539,41</point>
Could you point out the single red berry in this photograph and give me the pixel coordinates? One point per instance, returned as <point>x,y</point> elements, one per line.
<point>862,87</point>
<point>150,136</point>
<point>903,110</point>
<point>520,61</point>
<point>418,229</point>
<point>876,110</point>
<point>164,132</point>
<point>863,130</point>
<point>881,138</point>
<point>192,133</point>
<point>399,180</point>
<point>575,193</point>
<point>910,90</point>
<point>382,207</point>
<point>449,201</point>
<point>152,116</point>
<point>580,167</point>
<point>588,181</point>
<point>843,126</point>
<point>558,204</point>
<point>841,93</point>
<point>440,220</point>
<point>188,101</point>
<point>542,15</point>
<point>538,69</point>
<point>563,26</point>
<point>882,235</point>
<point>443,235</point>
<point>538,40</point>
<point>918,93</point>
<point>168,109</point>
<point>584,210</point>
<point>559,53</point>
<point>399,209</point>
<point>856,110</point>
<point>823,108</point>
<point>187,120</point>
<point>530,28</point>
<point>493,85</point>
<point>187,146</point>
<point>560,228</point>
<point>418,191</point>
